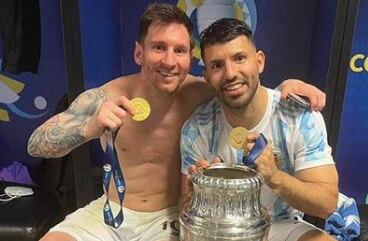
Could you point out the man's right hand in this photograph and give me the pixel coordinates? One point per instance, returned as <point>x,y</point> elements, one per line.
<point>110,115</point>
<point>82,121</point>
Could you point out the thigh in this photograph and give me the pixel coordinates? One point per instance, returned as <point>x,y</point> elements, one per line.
<point>290,230</point>
<point>59,236</point>
<point>86,223</point>
<point>163,228</point>
<point>171,233</point>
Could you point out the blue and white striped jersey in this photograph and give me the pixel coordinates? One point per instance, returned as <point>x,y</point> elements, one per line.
<point>298,137</point>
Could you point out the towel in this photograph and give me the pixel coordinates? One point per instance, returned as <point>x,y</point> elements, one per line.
<point>344,223</point>
<point>16,172</point>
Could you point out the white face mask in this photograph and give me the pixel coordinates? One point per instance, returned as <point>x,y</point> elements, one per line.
<point>13,192</point>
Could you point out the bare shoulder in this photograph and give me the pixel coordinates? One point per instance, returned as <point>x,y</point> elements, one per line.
<point>120,86</point>
<point>194,80</point>
<point>195,90</point>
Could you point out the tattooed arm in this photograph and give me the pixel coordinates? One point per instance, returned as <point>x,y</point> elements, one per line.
<point>69,129</point>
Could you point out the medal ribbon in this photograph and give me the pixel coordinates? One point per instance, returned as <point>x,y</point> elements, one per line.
<point>257,149</point>
<point>112,168</point>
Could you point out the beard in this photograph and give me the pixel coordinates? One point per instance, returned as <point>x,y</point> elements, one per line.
<point>242,101</point>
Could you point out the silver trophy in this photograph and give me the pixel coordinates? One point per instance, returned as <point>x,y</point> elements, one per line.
<point>225,206</point>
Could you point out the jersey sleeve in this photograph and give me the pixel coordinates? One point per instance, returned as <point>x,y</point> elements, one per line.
<point>313,149</point>
<point>191,145</point>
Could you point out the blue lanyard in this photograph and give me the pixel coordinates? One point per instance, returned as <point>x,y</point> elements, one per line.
<point>257,149</point>
<point>112,168</point>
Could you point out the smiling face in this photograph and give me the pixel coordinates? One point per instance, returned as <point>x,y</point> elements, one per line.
<point>164,56</point>
<point>232,70</point>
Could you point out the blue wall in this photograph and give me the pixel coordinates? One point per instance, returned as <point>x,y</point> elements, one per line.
<point>101,40</point>
<point>100,24</point>
<point>295,35</point>
<point>47,86</point>
<point>352,152</point>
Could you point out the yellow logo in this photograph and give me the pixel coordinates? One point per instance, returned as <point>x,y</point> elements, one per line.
<point>359,63</point>
<point>9,90</point>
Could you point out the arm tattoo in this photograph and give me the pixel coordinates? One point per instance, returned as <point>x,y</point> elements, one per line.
<point>56,138</point>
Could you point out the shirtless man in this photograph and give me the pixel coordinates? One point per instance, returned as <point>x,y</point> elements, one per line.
<point>148,151</point>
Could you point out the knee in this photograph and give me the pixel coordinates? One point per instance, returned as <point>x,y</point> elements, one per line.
<point>57,236</point>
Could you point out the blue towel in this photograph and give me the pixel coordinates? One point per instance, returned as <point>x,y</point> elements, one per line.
<point>344,223</point>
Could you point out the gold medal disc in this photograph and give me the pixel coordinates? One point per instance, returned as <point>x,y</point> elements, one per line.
<point>237,137</point>
<point>142,109</point>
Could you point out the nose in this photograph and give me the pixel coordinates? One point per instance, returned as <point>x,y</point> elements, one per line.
<point>230,71</point>
<point>169,59</point>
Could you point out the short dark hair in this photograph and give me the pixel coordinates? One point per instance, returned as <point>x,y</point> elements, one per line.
<point>224,30</point>
<point>163,13</point>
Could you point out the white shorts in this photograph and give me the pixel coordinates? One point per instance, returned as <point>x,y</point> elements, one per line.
<point>87,223</point>
<point>289,229</point>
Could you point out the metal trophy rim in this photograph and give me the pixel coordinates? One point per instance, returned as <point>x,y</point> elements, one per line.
<point>200,178</point>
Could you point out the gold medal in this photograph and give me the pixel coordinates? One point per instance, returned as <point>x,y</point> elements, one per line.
<point>142,109</point>
<point>237,137</point>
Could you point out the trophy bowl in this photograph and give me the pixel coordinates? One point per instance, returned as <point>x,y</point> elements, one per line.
<point>225,206</point>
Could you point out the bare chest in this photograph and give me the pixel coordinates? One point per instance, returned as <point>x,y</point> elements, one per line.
<point>155,141</point>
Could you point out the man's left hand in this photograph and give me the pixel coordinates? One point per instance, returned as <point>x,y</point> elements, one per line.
<point>265,163</point>
<point>316,97</point>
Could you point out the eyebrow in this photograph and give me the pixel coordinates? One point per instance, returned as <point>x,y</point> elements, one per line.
<point>239,54</point>
<point>165,43</point>
<point>157,42</point>
<point>215,61</point>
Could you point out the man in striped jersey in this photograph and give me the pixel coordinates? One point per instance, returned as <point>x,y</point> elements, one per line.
<point>305,178</point>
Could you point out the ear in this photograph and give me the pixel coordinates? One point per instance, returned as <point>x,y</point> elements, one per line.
<point>205,75</point>
<point>261,58</point>
<point>208,81</point>
<point>138,52</point>
<point>191,59</point>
